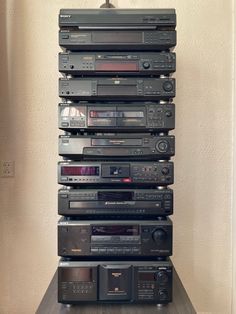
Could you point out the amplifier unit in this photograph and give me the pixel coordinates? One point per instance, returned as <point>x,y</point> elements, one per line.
<point>119,238</point>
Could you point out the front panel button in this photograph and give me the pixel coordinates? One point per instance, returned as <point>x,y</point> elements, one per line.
<point>165,171</point>
<point>167,86</point>
<point>146,65</point>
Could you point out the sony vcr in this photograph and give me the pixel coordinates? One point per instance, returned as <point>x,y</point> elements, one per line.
<point>115,202</point>
<point>116,147</point>
<point>136,88</point>
<point>116,117</point>
<point>116,173</point>
<point>117,63</point>
<point>117,238</point>
<point>115,282</point>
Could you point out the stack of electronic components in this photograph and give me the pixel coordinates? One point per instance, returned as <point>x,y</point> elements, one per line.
<point>115,237</point>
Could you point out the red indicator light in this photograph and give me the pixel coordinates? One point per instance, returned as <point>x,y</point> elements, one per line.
<point>127,180</point>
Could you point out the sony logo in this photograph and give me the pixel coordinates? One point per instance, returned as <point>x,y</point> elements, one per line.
<point>65,15</point>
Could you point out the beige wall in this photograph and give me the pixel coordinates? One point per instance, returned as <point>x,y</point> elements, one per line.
<point>28,135</point>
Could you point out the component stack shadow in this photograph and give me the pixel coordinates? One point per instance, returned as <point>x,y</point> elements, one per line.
<point>115,236</point>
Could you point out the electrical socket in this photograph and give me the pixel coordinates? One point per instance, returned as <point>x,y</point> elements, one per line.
<point>7,169</point>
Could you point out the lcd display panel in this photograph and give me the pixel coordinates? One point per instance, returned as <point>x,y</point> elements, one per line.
<point>117,37</point>
<point>115,230</point>
<point>116,66</point>
<point>145,276</point>
<point>82,274</point>
<point>115,196</point>
<point>80,171</point>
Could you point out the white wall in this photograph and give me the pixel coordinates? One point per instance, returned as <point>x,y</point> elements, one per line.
<point>28,135</point>
<point>234,164</point>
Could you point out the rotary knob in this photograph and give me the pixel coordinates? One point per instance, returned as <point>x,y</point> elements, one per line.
<point>168,86</point>
<point>162,277</point>
<point>146,65</point>
<point>159,235</point>
<point>162,146</point>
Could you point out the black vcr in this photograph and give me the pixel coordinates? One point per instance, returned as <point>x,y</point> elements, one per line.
<point>116,147</point>
<point>126,203</point>
<point>116,173</point>
<point>115,282</point>
<point>115,238</point>
<point>116,117</point>
<point>135,88</point>
<point>117,63</point>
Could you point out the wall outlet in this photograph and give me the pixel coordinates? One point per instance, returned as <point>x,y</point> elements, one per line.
<point>7,169</point>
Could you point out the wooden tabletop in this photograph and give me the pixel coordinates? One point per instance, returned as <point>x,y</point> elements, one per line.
<point>181,304</point>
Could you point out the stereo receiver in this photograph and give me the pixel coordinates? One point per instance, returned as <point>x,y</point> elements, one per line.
<point>114,282</point>
<point>136,88</point>
<point>116,173</point>
<point>117,238</point>
<point>116,147</point>
<point>128,203</point>
<point>117,63</point>
<point>116,117</point>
